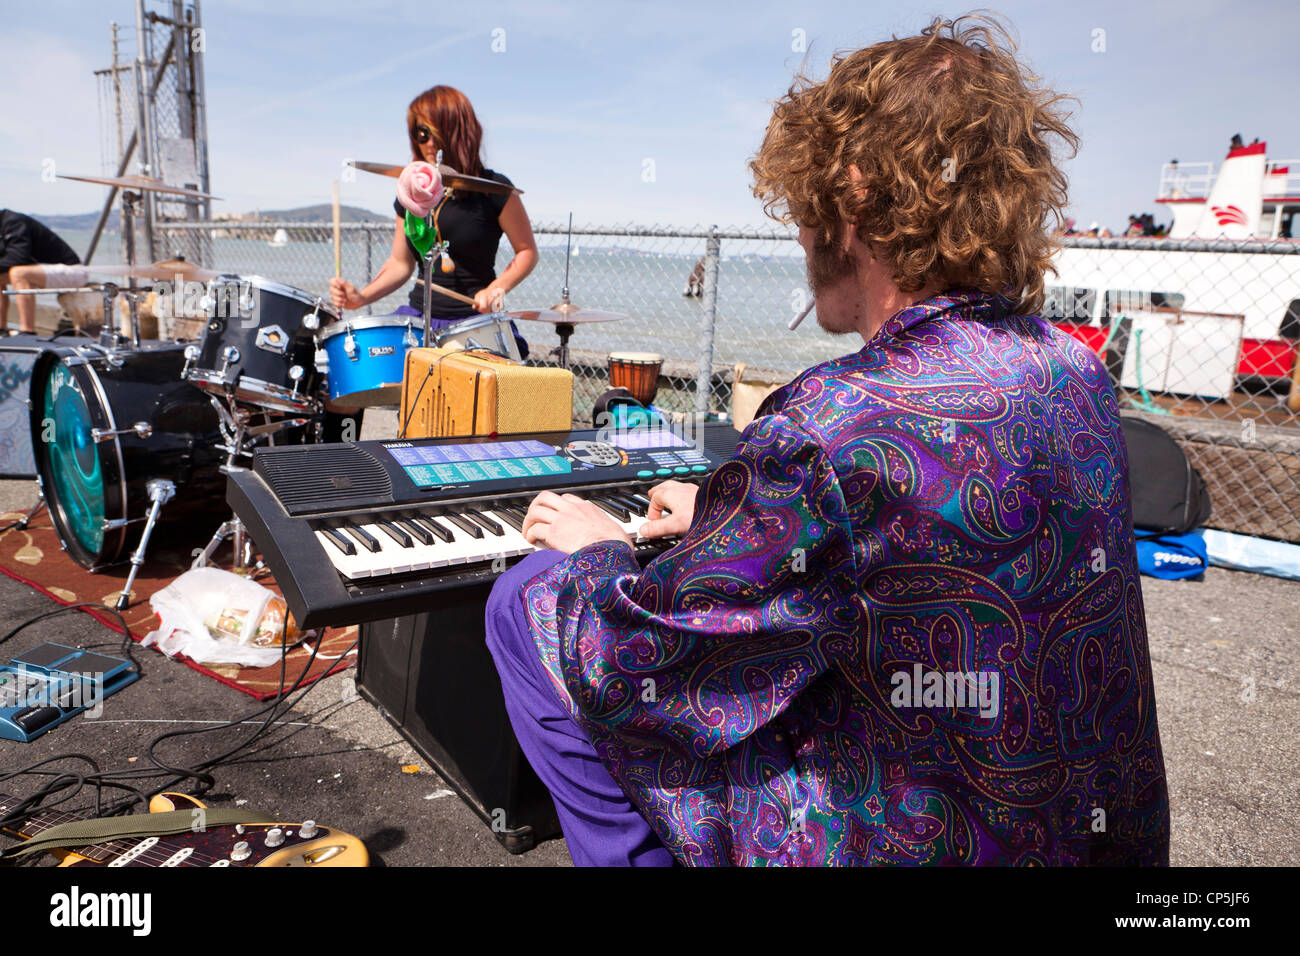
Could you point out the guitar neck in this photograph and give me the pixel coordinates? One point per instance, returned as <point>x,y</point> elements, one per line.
<point>47,819</point>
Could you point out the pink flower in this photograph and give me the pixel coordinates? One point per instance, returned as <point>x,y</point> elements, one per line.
<point>419,188</point>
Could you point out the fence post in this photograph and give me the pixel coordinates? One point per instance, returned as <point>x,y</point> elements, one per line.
<point>370,309</point>
<point>704,380</point>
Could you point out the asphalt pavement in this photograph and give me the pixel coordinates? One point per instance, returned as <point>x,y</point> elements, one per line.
<point>1224,652</point>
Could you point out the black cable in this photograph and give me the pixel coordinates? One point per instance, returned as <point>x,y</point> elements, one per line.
<point>74,783</point>
<point>126,644</point>
<point>410,409</point>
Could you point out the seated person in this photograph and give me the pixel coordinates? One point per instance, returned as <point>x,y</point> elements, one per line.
<point>903,624</point>
<point>24,242</point>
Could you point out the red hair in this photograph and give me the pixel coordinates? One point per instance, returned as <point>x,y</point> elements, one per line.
<point>456,130</point>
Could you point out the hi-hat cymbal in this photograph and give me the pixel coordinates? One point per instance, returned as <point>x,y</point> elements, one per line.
<point>142,183</point>
<point>450,178</point>
<point>567,314</point>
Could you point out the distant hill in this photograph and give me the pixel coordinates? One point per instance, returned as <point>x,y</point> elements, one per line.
<point>323,212</point>
<point>82,222</point>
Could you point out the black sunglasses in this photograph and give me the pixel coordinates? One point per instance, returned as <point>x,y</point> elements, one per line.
<point>422,134</point>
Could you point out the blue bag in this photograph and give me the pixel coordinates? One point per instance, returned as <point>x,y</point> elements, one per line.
<point>1172,556</point>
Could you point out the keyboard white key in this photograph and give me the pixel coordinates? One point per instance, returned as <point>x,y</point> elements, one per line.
<point>463,549</point>
<point>351,566</point>
<point>391,558</point>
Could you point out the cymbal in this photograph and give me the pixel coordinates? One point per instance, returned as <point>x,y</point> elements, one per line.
<point>450,178</point>
<point>379,397</point>
<point>162,271</point>
<point>568,314</point>
<point>142,183</point>
<point>188,269</point>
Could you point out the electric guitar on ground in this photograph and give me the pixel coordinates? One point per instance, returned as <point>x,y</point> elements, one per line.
<point>243,844</point>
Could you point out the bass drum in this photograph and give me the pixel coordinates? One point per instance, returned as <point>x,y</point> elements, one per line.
<point>94,463</point>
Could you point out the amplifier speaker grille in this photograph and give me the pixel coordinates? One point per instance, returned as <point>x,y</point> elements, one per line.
<point>316,475</point>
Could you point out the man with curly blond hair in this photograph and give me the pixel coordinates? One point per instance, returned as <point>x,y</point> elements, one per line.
<point>904,623</point>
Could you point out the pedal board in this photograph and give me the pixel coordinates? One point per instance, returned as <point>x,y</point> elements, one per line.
<point>51,683</point>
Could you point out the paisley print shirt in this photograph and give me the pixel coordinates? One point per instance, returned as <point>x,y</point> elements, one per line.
<point>905,626</point>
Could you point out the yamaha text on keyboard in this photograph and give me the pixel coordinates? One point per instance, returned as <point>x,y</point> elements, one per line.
<point>368,530</point>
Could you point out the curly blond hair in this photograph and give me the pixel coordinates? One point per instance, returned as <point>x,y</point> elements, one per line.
<point>952,138</point>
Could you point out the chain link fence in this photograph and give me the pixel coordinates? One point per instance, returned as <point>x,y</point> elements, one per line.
<point>1200,337</point>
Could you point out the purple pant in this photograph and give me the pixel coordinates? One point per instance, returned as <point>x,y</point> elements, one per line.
<point>600,824</point>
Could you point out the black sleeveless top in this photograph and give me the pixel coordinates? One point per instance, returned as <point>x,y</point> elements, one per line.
<point>469,221</point>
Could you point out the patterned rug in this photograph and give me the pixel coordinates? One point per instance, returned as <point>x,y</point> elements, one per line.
<point>35,558</point>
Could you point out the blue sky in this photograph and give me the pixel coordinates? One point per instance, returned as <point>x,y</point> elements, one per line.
<point>585,93</point>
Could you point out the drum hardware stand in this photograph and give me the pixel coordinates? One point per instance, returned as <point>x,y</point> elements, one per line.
<point>311,321</point>
<point>109,337</point>
<point>240,437</point>
<point>130,199</point>
<point>161,491</point>
<point>139,429</point>
<point>232,528</point>
<point>565,306</point>
<point>561,353</point>
<point>428,286</point>
<point>26,519</point>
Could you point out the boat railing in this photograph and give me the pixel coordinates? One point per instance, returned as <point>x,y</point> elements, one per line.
<point>1185,180</point>
<point>1281,178</point>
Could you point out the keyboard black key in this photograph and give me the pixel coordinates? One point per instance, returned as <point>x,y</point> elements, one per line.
<point>469,527</point>
<point>488,524</point>
<point>611,508</point>
<point>510,517</point>
<point>627,501</point>
<point>394,532</point>
<point>417,530</point>
<point>339,540</point>
<point>643,501</point>
<point>441,530</point>
<point>362,537</point>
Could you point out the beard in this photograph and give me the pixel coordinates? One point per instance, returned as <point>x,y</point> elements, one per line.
<point>827,267</point>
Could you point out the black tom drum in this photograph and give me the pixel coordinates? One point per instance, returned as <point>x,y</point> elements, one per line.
<point>257,345</point>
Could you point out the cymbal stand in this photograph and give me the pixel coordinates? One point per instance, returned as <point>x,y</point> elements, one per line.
<point>565,306</point>
<point>561,353</point>
<point>108,337</point>
<point>130,201</point>
<point>428,291</point>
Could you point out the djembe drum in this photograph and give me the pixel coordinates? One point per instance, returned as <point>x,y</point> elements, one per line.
<point>638,372</point>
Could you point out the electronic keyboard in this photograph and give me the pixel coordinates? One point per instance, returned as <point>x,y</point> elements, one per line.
<point>367,530</point>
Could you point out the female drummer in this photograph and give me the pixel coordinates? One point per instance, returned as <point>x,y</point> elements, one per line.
<point>441,118</point>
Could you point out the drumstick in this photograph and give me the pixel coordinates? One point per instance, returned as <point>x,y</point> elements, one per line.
<point>449,292</point>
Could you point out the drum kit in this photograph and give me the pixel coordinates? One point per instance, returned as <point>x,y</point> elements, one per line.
<point>124,426</point>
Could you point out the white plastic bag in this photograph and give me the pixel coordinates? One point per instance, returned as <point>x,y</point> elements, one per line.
<point>186,605</point>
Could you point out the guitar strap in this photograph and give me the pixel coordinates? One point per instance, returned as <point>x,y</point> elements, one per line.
<point>82,833</point>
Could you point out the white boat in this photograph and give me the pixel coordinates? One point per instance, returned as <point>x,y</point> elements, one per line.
<point>281,238</point>
<point>1215,305</point>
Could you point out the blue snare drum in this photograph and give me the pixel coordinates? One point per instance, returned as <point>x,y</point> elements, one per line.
<point>366,353</point>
